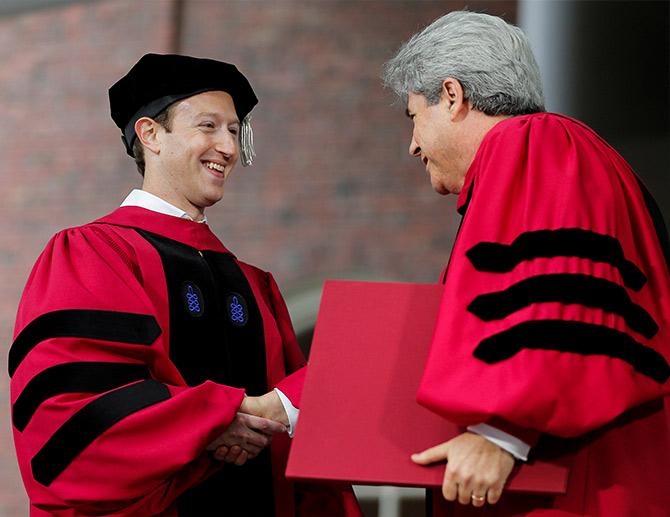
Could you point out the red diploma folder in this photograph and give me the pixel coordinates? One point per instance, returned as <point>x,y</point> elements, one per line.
<point>359,420</point>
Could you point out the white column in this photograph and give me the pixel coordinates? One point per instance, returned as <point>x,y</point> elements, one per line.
<point>548,25</point>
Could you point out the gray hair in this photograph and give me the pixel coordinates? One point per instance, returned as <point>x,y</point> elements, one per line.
<point>489,57</point>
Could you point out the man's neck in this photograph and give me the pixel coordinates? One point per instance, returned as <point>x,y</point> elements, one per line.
<point>484,124</point>
<point>194,212</point>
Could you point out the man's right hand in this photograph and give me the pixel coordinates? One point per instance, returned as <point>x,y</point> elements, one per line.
<point>476,470</point>
<point>245,437</point>
<point>266,406</point>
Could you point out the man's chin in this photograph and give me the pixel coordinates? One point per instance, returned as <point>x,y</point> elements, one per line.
<point>213,196</point>
<point>210,202</point>
<point>207,201</point>
<point>441,189</point>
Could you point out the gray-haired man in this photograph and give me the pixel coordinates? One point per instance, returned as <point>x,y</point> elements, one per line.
<point>557,292</point>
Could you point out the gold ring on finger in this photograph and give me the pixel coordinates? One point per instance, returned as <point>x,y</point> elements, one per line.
<point>478,498</point>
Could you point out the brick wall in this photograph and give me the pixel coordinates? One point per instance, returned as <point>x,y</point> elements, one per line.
<point>332,193</point>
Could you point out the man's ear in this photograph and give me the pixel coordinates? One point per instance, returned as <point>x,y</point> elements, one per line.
<point>454,96</point>
<point>146,130</point>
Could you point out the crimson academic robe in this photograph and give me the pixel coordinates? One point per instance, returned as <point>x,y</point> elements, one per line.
<point>556,315</point>
<point>135,341</point>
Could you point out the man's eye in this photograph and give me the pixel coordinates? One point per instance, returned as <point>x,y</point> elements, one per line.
<point>209,125</point>
<point>234,130</point>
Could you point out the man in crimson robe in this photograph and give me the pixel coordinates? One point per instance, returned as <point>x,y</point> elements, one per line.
<point>555,323</point>
<point>150,368</point>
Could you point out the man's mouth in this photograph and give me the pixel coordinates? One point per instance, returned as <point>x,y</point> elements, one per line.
<point>214,166</point>
<point>218,170</point>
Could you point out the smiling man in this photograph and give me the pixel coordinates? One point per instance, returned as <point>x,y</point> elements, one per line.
<point>199,149</point>
<point>555,320</point>
<point>153,373</point>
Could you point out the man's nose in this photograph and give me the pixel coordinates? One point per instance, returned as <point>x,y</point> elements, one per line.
<point>414,148</point>
<point>227,144</point>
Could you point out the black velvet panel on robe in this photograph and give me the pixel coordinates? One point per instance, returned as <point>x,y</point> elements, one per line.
<point>216,333</point>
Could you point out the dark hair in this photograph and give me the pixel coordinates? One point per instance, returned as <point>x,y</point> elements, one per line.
<point>164,118</point>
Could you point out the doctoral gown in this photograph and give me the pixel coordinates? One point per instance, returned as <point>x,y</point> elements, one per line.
<point>136,339</point>
<point>555,317</point>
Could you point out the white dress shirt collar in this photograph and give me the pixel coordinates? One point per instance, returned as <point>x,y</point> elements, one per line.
<point>144,199</point>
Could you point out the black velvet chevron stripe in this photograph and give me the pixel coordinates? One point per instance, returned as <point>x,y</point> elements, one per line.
<point>565,288</point>
<point>85,377</point>
<point>567,242</point>
<point>575,337</point>
<point>89,423</point>
<point>122,327</point>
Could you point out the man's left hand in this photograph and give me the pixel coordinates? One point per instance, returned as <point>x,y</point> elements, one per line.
<point>244,438</point>
<point>476,471</point>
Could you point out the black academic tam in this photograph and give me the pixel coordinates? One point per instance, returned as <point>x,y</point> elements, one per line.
<point>158,80</point>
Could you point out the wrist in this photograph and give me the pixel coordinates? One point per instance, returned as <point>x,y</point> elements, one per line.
<point>250,406</point>
<point>272,405</point>
<point>275,407</point>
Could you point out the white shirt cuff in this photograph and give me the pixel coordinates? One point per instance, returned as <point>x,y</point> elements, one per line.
<point>292,412</point>
<point>517,448</point>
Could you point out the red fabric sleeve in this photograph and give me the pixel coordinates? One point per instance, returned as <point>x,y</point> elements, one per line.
<point>557,297</point>
<point>151,454</point>
<point>291,386</point>
<point>294,359</point>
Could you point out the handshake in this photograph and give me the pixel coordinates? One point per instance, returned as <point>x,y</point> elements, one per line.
<point>258,419</point>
